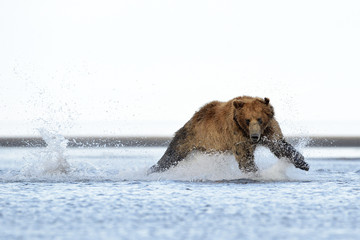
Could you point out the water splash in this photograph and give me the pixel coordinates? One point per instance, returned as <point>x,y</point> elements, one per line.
<point>59,164</point>
<point>223,167</point>
<point>49,161</point>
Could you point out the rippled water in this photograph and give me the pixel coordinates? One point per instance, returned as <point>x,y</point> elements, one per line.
<point>104,193</point>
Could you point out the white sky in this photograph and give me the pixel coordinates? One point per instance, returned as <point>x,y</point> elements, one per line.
<point>144,67</point>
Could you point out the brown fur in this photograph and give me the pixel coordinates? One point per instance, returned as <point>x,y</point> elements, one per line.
<point>236,126</point>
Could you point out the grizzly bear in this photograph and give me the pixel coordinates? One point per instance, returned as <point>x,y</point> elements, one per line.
<point>237,126</point>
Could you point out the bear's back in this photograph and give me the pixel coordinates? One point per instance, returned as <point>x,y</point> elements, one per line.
<point>216,110</point>
<point>207,112</point>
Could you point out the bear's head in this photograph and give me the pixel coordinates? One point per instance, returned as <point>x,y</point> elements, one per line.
<point>252,115</point>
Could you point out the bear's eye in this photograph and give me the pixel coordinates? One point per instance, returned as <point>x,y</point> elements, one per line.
<point>260,120</point>
<point>248,122</point>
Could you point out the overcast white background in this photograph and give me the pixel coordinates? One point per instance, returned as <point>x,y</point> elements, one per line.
<point>144,67</point>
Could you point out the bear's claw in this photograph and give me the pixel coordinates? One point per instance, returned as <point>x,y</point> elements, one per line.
<point>302,165</point>
<point>299,162</point>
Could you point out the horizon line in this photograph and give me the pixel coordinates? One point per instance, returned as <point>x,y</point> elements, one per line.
<point>162,141</point>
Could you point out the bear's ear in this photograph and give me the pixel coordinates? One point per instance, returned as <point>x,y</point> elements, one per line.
<point>267,100</point>
<point>238,104</point>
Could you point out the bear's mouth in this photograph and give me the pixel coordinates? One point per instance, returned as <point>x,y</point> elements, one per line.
<point>255,138</point>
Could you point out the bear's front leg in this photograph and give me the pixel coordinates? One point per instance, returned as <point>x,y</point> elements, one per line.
<point>281,148</point>
<point>274,140</point>
<point>244,155</point>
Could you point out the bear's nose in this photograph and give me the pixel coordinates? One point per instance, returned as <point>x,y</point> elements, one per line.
<point>255,137</point>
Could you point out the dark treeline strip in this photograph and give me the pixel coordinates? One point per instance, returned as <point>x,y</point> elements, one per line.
<point>162,141</point>
<point>89,142</point>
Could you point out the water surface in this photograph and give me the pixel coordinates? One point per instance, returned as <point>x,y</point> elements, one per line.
<point>104,193</point>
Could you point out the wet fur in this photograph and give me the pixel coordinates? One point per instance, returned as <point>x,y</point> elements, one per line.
<point>221,127</point>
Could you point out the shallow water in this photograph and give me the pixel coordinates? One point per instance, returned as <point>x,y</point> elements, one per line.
<point>104,193</point>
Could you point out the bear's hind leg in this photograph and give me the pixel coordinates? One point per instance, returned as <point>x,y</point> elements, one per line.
<point>170,159</point>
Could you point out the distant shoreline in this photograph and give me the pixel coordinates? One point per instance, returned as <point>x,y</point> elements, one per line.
<point>90,141</point>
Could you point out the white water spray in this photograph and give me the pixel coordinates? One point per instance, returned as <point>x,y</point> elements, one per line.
<point>54,153</point>
<point>131,164</point>
<point>199,166</point>
<point>49,161</point>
